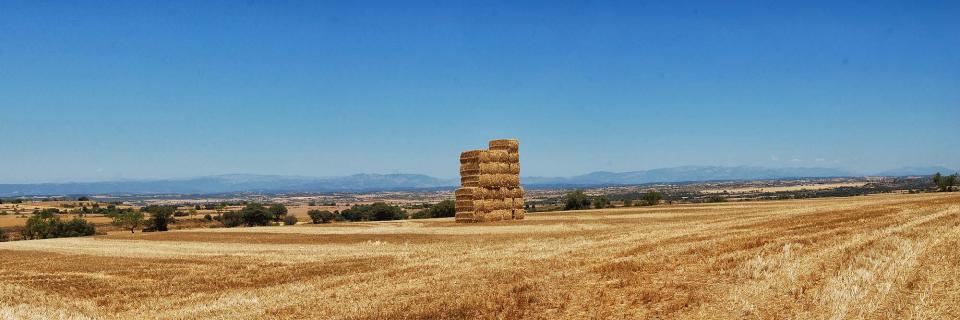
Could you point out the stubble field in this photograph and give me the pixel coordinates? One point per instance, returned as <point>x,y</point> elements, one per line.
<point>891,256</point>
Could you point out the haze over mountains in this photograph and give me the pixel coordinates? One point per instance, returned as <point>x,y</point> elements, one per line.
<point>386,182</point>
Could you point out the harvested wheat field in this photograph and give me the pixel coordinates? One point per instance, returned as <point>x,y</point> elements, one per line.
<point>891,256</point>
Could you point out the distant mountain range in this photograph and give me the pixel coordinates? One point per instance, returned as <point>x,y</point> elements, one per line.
<point>387,182</point>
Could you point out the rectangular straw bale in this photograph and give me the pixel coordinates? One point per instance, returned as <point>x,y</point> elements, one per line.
<point>517,203</point>
<point>467,193</point>
<point>467,216</point>
<point>514,192</point>
<point>485,168</point>
<point>509,145</point>
<point>470,181</point>
<point>514,168</point>
<point>472,156</point>
<point>499,180</point>
<point>494,156</point>
<point>518,214</point>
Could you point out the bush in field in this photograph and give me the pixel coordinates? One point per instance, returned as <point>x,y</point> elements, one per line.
<point>443,209</point>
<point>278,211</point>
<point>945,183</point>
<point>321,216</point>
<point>3,235</point>
<point>255,214</point>
<point>289,220</point>
<point>651,198</point>
<point>576,200</point>
<point>46,226</point>
<point>601,202</point>
<point>207,217</point>
<point>716,199</point>
<point>128,220</point>
<point>232,219</point>
<point>374,212</point>
<point>160,217</point>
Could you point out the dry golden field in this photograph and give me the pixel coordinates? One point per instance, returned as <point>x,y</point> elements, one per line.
<point>890,256</point>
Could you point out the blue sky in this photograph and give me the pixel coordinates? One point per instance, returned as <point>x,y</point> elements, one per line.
<point>130,90</point>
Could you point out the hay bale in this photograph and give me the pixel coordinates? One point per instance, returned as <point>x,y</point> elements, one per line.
<point>490,193</point>
<point>467,193</point>
<point>513,168</point>
<point>509,145</point>
<point>465,217</point>
<point>518,214</point>
<point>513,158</point>
<point>514,193</point>
<point>485,168</point>
<point>516,203</point>
<point>499,180</point>
<point>470,181</point>
<point>466,205</point>
<point>470,156</point>
<point>488,205</point>
<point>493,156</point>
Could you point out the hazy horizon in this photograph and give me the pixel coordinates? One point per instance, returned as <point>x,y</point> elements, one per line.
<point>139,90</point>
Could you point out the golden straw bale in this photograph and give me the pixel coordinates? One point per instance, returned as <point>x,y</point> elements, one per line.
<point>513,158</point>
<point>494,156</point>
<point>468,216</point>
<point>517,203</point>
<point>470,156</point>
<point>518,214</point>
<point>509,145</point>
<point>499,180</point>
<point>514,168</point>
<point>467,193</point>
<point>514,193</point>
<point>470,181</point>
<point>495,168</point>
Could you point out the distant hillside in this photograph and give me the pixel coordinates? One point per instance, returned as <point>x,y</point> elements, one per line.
<point>917,171</point>
<point>386,182</point>
<point>690,173</point>
<point>234,183</point>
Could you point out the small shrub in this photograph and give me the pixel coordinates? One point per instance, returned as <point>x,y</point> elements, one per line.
<point>576,200</point>
<point>232,219</point>
<point>651,198</point>
<point>46,226</point>
<point>374,212</point>
<point>289,220</point>
<point>180,214</point>
<point>208,217</point>
<point>277,211</point>
<point>321,216</point>
<point>601,202</point>
<point>3,235</point>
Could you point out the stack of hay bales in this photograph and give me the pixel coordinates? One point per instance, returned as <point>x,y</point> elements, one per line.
<point>490,183</point>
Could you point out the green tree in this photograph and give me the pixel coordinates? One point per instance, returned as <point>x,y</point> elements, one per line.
<point>627,203</point>
<point>651,198</point>
<point>128,220</point>
<point>232,219</point>
<point>255,214</point>
<point>289,220</point>
<point>945,183</point>
<point>46,225</point>
<point>321,216</point>
<point>220,208</point>
<point>278,211</point>
<point>576,200</point>
<point>442,209</point>
<point>3,235</point>
<point>374,212</point>
<point>601,202</point>
<point>160,216</point>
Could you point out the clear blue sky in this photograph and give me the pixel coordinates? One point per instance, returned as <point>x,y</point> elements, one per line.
<point>127,90</point>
